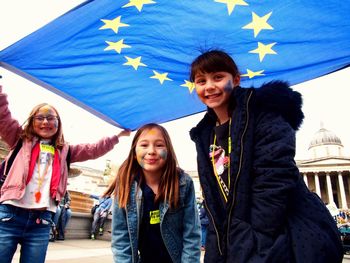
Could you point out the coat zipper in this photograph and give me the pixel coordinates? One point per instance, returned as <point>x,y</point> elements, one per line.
<point>238,173</point>
<point>212,219</point>
<point>239,167</point>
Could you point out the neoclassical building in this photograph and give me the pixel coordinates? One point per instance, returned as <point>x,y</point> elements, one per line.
<point>327,171</point>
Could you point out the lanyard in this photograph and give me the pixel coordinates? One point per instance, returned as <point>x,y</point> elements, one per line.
<point>223,187</point>
<point>41,177</point>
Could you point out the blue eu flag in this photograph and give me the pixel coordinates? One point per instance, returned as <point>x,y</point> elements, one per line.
<point>127,61</point>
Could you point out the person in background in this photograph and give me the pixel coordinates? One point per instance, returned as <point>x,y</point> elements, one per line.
<point>100,215</point>
<point>259,208</point>
<point>155,217</point>
<point>37,178</point>
<point>63,216</point>
<point>204,224</point>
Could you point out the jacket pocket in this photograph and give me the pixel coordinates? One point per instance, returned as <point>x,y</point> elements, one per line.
<point>46,218</point>
<point>6,213</point>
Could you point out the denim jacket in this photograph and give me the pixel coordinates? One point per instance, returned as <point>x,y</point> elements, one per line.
<point>180,228</point>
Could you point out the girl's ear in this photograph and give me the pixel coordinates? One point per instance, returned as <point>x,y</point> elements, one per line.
<point>236,80</point>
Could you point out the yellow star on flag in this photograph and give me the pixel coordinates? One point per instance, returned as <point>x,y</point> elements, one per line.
<point>161,77</point>
<point>138,3</point>
<point>251,74</point>
<point>134,62</point>
<point>113,24</point>
<point>117,46</point>
<point>231,4</point>
<point>258,23</point>
<point>188,84</point>
<point>263,50</point>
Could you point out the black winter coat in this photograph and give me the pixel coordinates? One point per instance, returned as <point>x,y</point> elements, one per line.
<point>270,216</point>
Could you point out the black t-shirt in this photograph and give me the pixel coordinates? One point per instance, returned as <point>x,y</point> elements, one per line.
<point>151,245</point>
<point>221,155</point>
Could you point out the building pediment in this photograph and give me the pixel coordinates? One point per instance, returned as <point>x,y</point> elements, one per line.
<point>329,161</point>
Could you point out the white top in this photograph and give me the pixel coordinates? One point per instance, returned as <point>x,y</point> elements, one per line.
<point>37,193</point>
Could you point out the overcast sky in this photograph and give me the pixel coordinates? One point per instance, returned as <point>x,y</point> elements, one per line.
<point>326,99</point>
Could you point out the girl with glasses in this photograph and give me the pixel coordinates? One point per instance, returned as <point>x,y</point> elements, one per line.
<point>37,179</point>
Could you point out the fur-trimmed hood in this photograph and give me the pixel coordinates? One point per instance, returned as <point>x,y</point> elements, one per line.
<point>278,97</point>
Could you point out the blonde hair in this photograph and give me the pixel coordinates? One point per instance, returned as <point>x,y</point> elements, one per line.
<point>168,189</point>
<point>28,129</point>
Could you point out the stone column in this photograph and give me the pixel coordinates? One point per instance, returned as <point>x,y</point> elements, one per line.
<point>329,189</point>
<point>317,185</point>
<point>305,180</point>
<point>342,191</point>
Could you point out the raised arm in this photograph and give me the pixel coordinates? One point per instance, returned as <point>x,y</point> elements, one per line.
<point>88,151</point>
<point>10,129</point>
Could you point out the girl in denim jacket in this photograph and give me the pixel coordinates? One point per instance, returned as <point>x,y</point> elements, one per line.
<point>37,179</point>
<point>155,218</point>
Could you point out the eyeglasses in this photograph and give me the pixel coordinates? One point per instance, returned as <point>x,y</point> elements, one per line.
<point>49,118</point>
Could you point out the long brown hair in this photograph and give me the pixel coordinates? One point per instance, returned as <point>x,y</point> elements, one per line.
<point>168,189</point>
<point>28,129</point>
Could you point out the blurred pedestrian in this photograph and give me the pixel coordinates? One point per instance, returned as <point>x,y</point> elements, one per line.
<point>62,216</point>
<point>204,224</point>
<point>100,215</point>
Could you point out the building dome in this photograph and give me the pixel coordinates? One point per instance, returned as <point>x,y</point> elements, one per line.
<point>325,137</point>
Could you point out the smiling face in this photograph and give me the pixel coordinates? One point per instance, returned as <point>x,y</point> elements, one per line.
<point>151,152</point>
<point>45,122</point>
<point>215,74</point>
<point>214,89</point>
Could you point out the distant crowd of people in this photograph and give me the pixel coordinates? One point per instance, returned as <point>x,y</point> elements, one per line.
<point>343,217</point>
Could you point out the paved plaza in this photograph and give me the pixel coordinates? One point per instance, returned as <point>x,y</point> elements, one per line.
<point>87,251</point>
<point>77,251</point>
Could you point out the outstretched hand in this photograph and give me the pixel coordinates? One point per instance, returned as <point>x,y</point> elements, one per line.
<point>125,132</point>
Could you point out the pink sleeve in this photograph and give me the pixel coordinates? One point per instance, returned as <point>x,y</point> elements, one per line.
<point>10,129</point>
<point>88,151</point>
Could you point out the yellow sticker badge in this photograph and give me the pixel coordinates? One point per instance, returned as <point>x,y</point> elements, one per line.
<point>154,217</point>
<point>47,148</point>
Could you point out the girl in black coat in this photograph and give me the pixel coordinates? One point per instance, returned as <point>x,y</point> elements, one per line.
<point>258,206</point>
